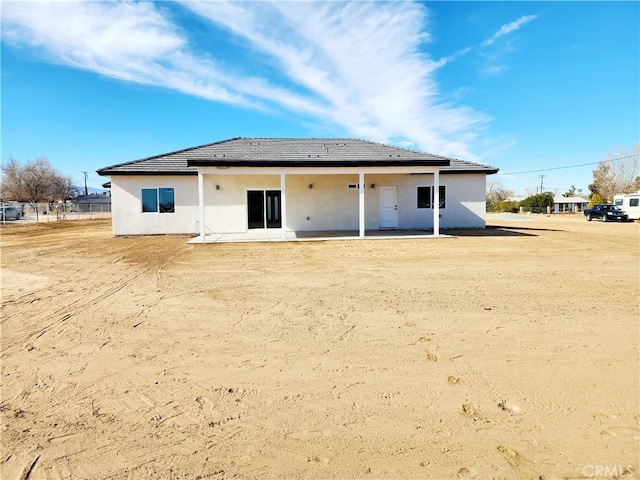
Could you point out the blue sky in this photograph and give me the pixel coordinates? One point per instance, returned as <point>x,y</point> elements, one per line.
<point>521,86</point>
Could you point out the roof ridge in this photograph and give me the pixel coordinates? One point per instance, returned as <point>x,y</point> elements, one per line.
<point>324,139</point>
<point>410,150</point>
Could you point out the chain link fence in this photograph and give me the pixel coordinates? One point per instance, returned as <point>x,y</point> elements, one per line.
<point>52,212</point>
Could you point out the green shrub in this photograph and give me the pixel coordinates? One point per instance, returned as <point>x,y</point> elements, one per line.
<point>507,206</point>
<point>596,199</point>
<point>537,203</point>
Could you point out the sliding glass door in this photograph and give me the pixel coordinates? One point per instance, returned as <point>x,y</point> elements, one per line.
<point>264,207</point>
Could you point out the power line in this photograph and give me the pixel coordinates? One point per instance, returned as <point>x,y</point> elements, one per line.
<point>568,166</point>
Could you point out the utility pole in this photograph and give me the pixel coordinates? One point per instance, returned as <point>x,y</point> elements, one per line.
<point>86,190</point>
<point>541,183</point>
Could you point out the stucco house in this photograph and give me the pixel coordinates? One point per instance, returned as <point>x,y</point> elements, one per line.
<point>569,204</point>
<point>284,186</point>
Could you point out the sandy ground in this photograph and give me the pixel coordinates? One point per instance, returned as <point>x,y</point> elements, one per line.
<point>505,353</point>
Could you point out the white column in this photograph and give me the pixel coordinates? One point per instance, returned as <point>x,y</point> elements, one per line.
<point>283,205</point>
<point>361,204</point>
<point>436,203</point>
<point>201,203</point>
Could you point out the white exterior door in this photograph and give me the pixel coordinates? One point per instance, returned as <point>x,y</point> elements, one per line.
<point>388,207</point>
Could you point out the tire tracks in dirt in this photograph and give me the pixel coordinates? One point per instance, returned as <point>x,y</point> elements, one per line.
<point>135,258</point>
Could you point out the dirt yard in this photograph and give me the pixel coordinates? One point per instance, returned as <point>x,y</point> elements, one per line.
<point>508,353</point>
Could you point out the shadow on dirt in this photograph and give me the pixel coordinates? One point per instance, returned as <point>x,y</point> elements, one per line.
<point>497,231</point>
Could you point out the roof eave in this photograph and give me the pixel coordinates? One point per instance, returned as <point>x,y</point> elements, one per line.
<point>487,171</point>
<point>107,173</point>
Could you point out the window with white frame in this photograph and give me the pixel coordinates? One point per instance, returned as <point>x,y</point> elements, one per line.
<point>425,197</point>
<point>158,200</point>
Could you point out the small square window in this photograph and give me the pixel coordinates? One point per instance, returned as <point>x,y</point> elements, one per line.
<point>158,200</point>
<point>425,197</point>
<point>634,202</point>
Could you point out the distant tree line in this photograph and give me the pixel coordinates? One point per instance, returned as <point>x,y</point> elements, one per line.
<point>34,182</point>
<point>537,203</point>
<point>617,172</point>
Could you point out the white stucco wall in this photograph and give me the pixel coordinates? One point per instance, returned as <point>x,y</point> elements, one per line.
<point>126,204</point>
<point>465,201</point>
<point>226,208</point>
<point>329,205</point>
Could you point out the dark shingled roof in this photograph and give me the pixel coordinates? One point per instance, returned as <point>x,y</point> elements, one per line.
<point>289,152</point>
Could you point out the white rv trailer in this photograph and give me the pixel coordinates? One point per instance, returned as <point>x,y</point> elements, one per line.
<point>630,203</point>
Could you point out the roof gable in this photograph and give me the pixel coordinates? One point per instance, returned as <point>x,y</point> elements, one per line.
<point>289,152</point>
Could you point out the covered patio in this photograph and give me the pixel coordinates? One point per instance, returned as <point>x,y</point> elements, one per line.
<point>284,231</point>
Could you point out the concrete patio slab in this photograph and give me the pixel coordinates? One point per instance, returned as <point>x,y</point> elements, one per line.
<point>275,235</point>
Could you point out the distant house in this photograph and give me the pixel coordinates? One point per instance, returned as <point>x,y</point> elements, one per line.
<point>569,204</point>
<point>92,203</point>
<point>286,185</point>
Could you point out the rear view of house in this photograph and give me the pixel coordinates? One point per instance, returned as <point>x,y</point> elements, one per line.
<point>289,185</point>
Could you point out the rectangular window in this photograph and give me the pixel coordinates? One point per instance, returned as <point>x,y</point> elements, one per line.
<point>166,201</point>
<point>158,200</point>
<point>149,200</point>
<point>634,202</point>
<point>425,197</point>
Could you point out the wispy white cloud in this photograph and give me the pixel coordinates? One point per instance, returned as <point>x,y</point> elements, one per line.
<point>452,58</point>
<point>358,66</point>
<point>508,28</point>
<point>361,61</point>
<point>494,69</point>
<point>124,40</point>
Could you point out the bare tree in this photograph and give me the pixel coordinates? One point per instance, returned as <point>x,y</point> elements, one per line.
<point>11,182</point>
<point>35,182</point>
<point>62,190</point>
<point>617,172</point>
<point>496,193</point>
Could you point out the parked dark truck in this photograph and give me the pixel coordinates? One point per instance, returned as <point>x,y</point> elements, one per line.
<point>606,213</point>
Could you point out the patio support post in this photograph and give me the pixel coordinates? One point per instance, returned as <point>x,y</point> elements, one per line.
<point>283,200</point>
<point>201,203</point>
<point>361,203</point>
<point>436,203</point>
